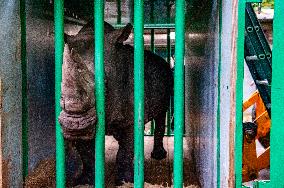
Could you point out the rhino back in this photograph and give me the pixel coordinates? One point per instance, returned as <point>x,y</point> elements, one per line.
<point>158,84</point>
<point>120,84</point>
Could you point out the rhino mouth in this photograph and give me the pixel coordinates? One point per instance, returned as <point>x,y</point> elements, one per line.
<point>78,126</point>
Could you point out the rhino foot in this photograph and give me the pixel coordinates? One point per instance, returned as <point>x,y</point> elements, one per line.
<point>159,153</point>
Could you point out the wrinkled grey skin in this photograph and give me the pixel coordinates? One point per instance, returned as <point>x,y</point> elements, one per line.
<point>78,117</point>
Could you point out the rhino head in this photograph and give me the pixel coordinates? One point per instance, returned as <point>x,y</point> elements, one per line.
<point>78,116</point>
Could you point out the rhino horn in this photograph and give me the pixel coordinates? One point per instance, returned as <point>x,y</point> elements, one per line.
<point>77,97</point>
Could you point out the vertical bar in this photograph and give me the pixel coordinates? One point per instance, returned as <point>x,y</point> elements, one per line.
<point>169,46</point>
<point>169,118</point>
<point>169,112</point>
<point>152,30</point>
<point>138,94</point>
<point>239,93</point>
<point>25,144</point>
<point>152,127</point>
<point>219,93</point>
<point>153,40</point>
<point>152,46</point>
<point>59,46</point>
<point>118,4</point>
<point>277,98</point>
<point>99,93</point>
<point>179,95</point>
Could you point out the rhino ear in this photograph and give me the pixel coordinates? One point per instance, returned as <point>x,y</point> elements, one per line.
<point>87,28</point>
<point>123,34</point>
<point>108,28</point>
<point>67,38</point>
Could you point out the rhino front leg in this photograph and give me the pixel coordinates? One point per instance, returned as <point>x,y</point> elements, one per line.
<point>124,157</point>
<point>159,152</point>
<point>85,149</point>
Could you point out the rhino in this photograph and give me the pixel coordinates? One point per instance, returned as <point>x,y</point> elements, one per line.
<point>78,116</point>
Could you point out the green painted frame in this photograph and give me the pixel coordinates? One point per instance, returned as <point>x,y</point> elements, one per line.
<point>277,99</point>
<point>239,93</point>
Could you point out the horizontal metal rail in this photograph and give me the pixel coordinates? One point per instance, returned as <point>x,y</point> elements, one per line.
<point>149,26</point>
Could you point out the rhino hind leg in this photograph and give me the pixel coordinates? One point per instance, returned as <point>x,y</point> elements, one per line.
<point>159,151</point>
<point>124,157</point>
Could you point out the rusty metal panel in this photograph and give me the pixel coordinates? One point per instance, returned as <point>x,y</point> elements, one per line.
<point>10,74</point>
<point>40,58</point>
<point>201,81</point>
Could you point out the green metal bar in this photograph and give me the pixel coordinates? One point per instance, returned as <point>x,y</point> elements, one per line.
<point>138,94</point>
<point>59,45</point>
<point>150,26</point>
<point>239,93</point>
<point>118,4</point>
<point>219,93</point>
<point>152,127</point>
<point>99,92</point>
<point>152,12</point>
<point>152,30</point>
<point>153,50</point>
<point>168,123</point>
<point>153,40</point>
<point>168,11</point>
<point>25,143</point>
<point>277,99</point>
<point>169,112</point>
<point>179,95</point>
